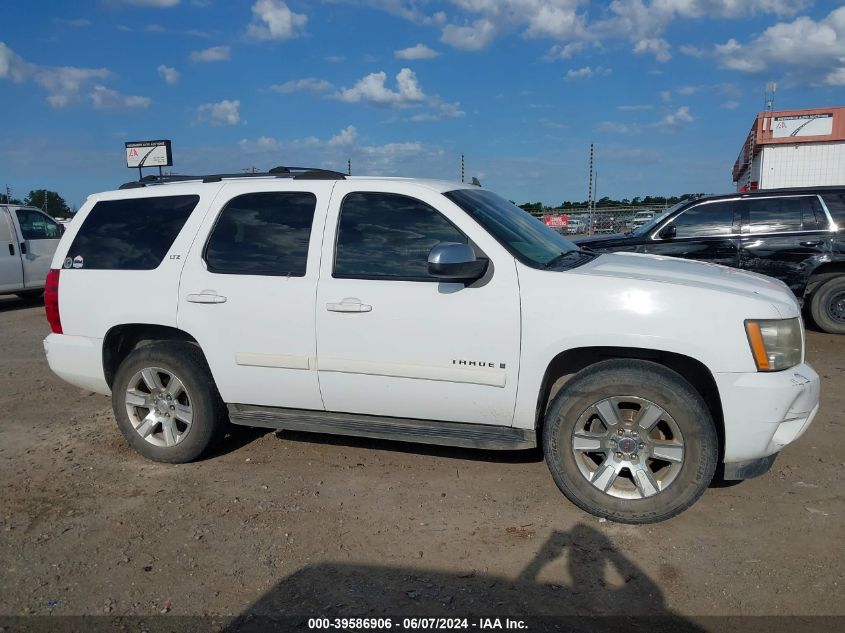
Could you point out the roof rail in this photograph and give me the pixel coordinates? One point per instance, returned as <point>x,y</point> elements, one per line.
<point>296,173</point>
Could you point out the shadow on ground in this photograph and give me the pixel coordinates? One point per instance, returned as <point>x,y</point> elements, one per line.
<point>341,590</point>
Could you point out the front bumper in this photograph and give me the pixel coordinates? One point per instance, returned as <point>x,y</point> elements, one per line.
<point>764,412</point>
<point>78,360</point>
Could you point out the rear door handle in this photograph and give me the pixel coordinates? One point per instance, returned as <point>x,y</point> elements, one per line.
<point>11,249</point>
<point>349,304</point>
<point>206,297</point>
<point>816,243</point>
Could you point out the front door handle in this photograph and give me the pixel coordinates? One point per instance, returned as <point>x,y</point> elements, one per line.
<point>349,304</point>
<point>815,243</point>
<point>206,296</point>
<point>11,249</point>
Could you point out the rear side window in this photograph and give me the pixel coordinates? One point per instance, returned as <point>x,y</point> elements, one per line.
<point>779,215</point>
<point>262,234</point>
<point>130,234</point>
<point>37,226</point>
<point>835,203</point>
<point>706,220</point>
<point>389,236</point>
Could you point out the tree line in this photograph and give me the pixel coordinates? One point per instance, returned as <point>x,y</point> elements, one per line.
<point>46,200</point>
<point>539,207</point>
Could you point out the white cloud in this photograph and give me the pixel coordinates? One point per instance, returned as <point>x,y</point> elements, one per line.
<point>106,99</point>
<point>654,45</point>
<point>586,72</point>
<point>346,136</point>
<point>634,108</point>
<point>563,52</point>
<point>473,37</point>
<point>170,75</point>
<point>225,112</point>
<point>730,105</point>
<point>692,51</point>
<point>273,20</point>
<point>161,4</point>
<point>62,83</point>
<point>372,89</point>
<point>155,28</point>
<point>689,90</point>
<point>388,158</point>
<point>803,51</point>
<point>420,51</point>
<point>76,23</point>
<point>309,84</point>
<point>213,54</point>
<point>676,118</point>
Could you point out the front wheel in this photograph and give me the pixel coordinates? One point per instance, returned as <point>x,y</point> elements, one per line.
<point>166,403</point>
<point>631,441</point>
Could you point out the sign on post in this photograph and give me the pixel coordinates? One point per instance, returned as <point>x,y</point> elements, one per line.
<point>148,154</point>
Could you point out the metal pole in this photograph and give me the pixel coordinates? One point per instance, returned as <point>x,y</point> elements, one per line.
<point>462,167</point>
<point>590,191</point>
<point>349,167</point>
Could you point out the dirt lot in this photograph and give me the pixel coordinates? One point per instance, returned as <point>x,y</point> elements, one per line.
<point>314,525</point>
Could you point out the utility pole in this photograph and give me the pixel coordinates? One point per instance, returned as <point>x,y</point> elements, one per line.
<point>462,167</point>
<point>590,190</point>
<point>349,167</point>
<point>8,195</point>
<point>250,170</point>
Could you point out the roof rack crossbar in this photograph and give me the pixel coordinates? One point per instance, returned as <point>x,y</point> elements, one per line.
<point>298,173</point>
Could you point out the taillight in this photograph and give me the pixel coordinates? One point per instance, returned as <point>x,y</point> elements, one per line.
<point>51,300</point>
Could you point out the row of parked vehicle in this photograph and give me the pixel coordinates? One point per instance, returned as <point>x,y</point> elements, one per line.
<point>434,312</point>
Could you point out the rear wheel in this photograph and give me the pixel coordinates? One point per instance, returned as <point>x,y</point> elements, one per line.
<point>631,441</point>
<point>166,403</point>
<point>827,305</point>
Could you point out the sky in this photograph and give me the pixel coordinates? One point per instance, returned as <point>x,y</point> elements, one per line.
<point>666,90</point>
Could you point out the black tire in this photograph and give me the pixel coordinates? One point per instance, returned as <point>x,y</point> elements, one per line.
<point>658,385</point>
<point>827,307</point>
<point>209,419</point>
<point>31,295</point>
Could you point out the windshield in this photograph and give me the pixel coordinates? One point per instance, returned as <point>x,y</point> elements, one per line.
<point>525,237</point>
<point>657,219</point>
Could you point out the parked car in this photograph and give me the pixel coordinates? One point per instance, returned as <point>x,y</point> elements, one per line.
<point>575,226</point>
<point>640,218</point>
<point>423,311</point>
<point>28,240</point>
<point>795,235</point>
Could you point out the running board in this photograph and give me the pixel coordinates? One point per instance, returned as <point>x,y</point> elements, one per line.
<point>486,436</point>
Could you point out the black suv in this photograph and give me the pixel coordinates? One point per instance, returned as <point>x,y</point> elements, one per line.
<point>795,235</point>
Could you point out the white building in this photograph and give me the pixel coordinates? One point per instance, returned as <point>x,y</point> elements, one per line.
<point>793,148</point>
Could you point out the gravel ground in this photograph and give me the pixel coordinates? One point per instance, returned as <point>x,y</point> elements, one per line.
<point>295,523</point>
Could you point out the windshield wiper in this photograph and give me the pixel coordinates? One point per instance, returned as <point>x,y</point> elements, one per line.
<point>559,258</point>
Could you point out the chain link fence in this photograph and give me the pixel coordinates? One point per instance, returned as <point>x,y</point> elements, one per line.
<point>602,220</point>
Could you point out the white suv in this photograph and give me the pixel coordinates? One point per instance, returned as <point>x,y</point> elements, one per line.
<point>423,311</point>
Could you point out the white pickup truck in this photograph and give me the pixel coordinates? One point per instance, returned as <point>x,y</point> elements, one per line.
<point>423,311</point>
<point>28,240</point>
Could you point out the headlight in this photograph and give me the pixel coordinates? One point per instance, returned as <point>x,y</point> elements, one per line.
<point>775,344</point>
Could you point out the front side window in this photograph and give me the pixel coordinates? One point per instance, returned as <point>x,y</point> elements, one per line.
<point>706,220</point>
<point>263,233</point>
<point>524,236</point>
<point>130,234</point>
<point>387,235</point>
<point>37,226</point>
<point>778,215</point>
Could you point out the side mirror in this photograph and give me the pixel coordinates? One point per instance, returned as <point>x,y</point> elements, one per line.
<point>667,232</point>
<point>451,261</point>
